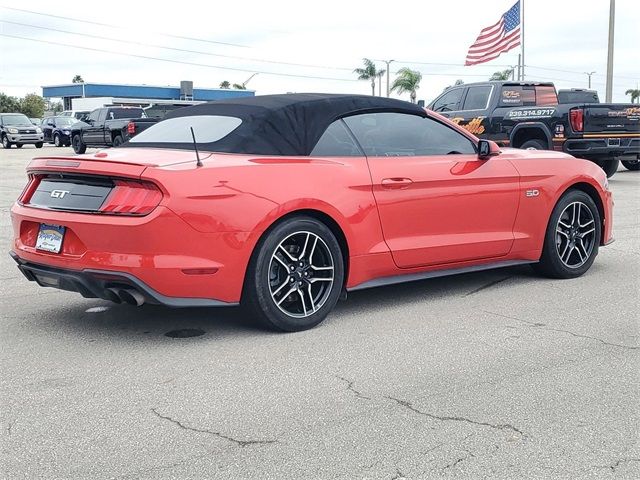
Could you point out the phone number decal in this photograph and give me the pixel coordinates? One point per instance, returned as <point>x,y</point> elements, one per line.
<point>532,113</point>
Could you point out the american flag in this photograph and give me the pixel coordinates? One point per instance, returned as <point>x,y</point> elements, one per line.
<point>496,39</point>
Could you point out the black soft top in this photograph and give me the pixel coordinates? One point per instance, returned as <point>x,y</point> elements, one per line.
<point>288,124</point>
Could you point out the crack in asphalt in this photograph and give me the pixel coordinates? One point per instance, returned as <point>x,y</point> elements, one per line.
<point>352,389</point>
<point>458,460</point>
<point>9,427</point>
<point>241,443</point>
<point>618,463</point>
<point>496,426</point>
<point>573,334</point>
<point>488,285</point>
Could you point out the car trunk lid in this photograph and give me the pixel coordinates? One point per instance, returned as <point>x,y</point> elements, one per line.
<point>611,118</point>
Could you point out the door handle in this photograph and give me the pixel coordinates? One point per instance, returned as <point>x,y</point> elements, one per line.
<point>396,182</point>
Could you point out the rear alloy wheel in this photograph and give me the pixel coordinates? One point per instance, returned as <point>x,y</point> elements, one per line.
<point>5,142</point>
<point>56,140</point>
<point>572,237</point>
<point>533,145</point>
<point>633,165</point>
<point>77,144</point>
<point>295,276</point>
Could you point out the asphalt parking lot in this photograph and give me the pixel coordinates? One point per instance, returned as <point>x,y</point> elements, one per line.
<point>498,374</point>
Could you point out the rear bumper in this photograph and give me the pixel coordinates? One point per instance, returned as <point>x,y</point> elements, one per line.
<point>602,147</point>
<point>162,254</point>
<point>104,284</point>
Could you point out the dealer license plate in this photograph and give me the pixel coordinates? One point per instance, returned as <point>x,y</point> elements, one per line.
<point>50,238</point>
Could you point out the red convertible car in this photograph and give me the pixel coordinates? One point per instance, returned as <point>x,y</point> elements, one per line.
<point>285,202</point>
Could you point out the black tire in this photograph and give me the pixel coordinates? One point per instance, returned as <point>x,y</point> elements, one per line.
<point>57,141</point>
<point>78,145</point>
<point>633,165</point>
<point>610,167</point>
<point>117,140</point>
<point>39,144</point>
<point>5,142</point>
<point>534,145</point>
<point>19,145</point>
<point>556,245</point>
<point>270,279</point>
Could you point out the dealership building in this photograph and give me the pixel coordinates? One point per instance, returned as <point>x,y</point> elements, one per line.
<point>87,96</point>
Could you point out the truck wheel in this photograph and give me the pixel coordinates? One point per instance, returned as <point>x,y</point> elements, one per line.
<point>631,164</point>
<point>38,145</point>
<point>117,140</point>
<point>18,145</point>
<point>610,167</point>
<point>5,142</point>
<point>56,140</point>
<point>533,145</point>
<point>78,145</point>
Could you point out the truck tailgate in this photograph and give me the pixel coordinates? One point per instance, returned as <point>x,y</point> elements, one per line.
<point>611,118</point>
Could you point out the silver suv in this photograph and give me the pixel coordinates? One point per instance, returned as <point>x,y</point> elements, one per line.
<point>16,128</point>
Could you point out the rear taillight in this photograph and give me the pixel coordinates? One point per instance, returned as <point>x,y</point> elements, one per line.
<point>131,128</point>
<point>132,198</point>
<point>576,117</point>
<point>32,185</point>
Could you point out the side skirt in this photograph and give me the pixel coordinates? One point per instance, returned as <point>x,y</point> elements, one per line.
<point>412,277</point>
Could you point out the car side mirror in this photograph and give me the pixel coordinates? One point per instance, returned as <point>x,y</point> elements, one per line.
<point>487,148</point>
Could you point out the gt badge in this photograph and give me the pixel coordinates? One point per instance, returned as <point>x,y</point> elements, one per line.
<point>59,193</point>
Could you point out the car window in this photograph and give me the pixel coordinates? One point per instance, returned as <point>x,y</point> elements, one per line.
<point>15,119</point>
<point>477,98</point>
<point>517,96</point>
<point>450,101</point>
<point>102,115</point>
<point>207,129</point>
<point>336,141</point>
<point>546,95</point>
<point>390,134</point>
<point>64,121</point>
<point>117,113</point>
<point>94,115</point>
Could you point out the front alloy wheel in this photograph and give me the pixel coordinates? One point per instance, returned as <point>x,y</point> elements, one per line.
<point>295,276</point>
<point>572,237</point>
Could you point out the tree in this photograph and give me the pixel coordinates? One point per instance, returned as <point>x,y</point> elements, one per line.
<point>77,79</point>
<point>225,84</point>
<point>407,81</point>
<point>458,82</point>
<point>502,75</point>
<point>33,106</point>
<point>9,104</point>
<point>239,86</point>
<point>634,93</point>
<point>369,72</point>
<point>55,107</point>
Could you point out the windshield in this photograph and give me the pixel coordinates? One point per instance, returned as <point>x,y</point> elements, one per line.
<point>63,121</point>
<point>207,129</point>
<point>15,120</point>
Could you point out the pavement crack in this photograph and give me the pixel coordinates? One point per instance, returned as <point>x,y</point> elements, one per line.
<point>241,443</point>
<point>495,426</point>
<point>488,285</point>
<point>613,466</point>
<point>352,389</point>
<point>10,427</point>
<point>568,332</point>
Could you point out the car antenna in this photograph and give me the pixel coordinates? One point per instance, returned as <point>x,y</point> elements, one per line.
<point>195,147</point>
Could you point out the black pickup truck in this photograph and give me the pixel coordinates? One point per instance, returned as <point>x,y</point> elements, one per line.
<point>109,127</point>
<point>528,115</point>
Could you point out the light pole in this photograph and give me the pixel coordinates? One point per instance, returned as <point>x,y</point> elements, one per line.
<point>588,74</point>
<point>244,84</point>
<point>612,19</point>
<point>388,62</point>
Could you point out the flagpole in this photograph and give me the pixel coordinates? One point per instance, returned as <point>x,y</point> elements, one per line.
<point>522,36</point>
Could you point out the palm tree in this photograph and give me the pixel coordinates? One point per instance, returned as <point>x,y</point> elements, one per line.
<point>225,84</point>
<point>369,72</point>
<point>239,86</point>
<point>380,74</point>
<point>77,79</point>
<point>634,93</point>
<point>502,75</point>
<point>407,81</point>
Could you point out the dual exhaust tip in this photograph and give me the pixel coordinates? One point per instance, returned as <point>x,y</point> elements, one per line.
<point>124,295</point>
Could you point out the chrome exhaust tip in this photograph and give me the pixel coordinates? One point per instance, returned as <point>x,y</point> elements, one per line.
<point>131,297</point>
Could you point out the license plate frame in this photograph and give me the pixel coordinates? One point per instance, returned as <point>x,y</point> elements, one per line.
<point>50,238</point>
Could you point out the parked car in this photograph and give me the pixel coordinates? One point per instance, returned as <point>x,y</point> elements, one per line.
<point>16,129</point>
<point>57,130</point>
<point>527,115</point>
<point>35,121</point>
<point>77,114</point>
<point>289,201</point>
<point>109,127</point>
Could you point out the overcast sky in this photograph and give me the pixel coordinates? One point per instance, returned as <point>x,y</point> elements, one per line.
<point>563,39</point>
